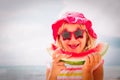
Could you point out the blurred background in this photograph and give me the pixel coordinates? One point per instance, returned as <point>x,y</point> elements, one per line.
<point>25,34</point>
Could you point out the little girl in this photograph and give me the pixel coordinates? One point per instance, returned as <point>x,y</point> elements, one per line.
<point>73,33</point>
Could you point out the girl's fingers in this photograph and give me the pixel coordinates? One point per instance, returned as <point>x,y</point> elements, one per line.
<point>98,58</point>
<point>61,64</point>
<point>56,53</point>
<point>62,67</point>
<point>93,59</point>
<point>60,56</point>
<point>57,59</point>
<point>87,60</point>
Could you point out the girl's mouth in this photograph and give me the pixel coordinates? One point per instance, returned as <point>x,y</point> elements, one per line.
<point>73,46</point>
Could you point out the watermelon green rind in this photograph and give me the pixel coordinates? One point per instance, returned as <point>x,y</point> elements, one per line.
<point>73,62</point>
<point>105,49</point>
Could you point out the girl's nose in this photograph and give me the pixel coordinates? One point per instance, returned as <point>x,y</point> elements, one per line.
<point>73,38</point>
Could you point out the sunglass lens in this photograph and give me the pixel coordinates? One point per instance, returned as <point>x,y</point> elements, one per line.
<point>78,33</point>
<point>66,35</point>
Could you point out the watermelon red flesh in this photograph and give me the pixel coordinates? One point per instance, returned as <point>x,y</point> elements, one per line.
<point>100,48</point>
<point>77,55</point>
<point>78,58</point>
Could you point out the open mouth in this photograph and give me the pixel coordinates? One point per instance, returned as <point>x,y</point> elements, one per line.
<point>73,46</point>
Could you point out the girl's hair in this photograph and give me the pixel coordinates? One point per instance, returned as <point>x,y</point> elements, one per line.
<point>90,40</point>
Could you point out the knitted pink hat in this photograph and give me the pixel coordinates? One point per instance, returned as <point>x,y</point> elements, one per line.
<point>73,17</point>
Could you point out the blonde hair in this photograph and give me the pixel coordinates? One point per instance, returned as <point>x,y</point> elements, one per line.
<point>90,40</point>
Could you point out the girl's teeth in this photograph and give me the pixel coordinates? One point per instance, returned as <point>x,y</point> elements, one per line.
<point>73,46</point>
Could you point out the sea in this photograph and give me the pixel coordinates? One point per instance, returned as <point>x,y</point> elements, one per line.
<point>111,72</point>
<point>38,72</point>
<point>22,72</point>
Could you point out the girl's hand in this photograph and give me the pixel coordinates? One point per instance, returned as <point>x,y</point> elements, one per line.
<point>91,62</point>
<point>57,65</point>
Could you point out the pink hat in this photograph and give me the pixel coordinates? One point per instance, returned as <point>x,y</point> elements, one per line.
<point>73,17</point>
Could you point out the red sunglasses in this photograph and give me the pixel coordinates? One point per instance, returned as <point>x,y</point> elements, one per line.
<point>77,34</point>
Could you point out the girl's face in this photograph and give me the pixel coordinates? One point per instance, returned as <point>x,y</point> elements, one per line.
<point>73,37</point>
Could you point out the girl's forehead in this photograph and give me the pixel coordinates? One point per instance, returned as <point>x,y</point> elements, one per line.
<point>73,27</point>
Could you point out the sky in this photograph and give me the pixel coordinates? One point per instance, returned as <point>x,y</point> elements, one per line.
<point>25,28</point>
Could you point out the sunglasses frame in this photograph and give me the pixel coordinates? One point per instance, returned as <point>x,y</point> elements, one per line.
<point>66,35</point>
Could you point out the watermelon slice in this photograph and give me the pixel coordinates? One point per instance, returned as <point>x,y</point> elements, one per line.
<point>78,58</point>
